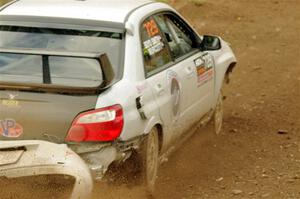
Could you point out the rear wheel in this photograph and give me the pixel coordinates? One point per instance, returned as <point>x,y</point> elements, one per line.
<point>218,115</point>
<point>149,155</point>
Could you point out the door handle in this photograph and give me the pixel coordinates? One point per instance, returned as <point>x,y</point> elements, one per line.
<point>159,89</point>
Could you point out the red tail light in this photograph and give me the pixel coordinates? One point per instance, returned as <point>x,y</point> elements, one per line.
<point>103,124</point>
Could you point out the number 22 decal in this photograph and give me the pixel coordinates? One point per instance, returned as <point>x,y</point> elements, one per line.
<point>151,28</point>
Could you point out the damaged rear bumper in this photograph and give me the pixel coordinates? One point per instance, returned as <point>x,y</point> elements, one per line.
<point>99,156</point>
<point>33,158</point>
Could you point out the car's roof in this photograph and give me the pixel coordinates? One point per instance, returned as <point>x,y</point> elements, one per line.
<point>104,10</point>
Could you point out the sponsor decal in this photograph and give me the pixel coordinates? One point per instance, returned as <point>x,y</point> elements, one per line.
<point>151,27</point>
<point>10,128</point>
<point>205,70</point>
<point>153,45</point>
<point>171,75</point>
<point>10,101</point>
<point>204,75</point>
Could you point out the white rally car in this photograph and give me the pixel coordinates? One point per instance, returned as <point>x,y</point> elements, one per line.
<point>109,78</point>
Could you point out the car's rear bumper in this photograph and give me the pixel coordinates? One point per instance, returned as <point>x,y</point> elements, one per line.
<point>33,158</point>
<point>99,156</point>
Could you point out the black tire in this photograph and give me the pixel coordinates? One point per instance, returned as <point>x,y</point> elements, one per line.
<point>149,155</point>
<point>218,115</point>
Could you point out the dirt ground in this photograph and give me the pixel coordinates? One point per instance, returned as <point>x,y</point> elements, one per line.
<point>258,153</point>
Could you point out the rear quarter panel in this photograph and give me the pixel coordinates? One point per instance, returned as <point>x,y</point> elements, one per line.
<point>125,93</point>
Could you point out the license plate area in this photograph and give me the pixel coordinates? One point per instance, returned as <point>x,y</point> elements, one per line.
<point>10,156</point>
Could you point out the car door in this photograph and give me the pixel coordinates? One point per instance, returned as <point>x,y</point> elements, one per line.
<point>159,75</point>
<point>193,67</point>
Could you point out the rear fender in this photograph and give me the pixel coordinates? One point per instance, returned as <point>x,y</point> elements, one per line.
<point>152,122</point>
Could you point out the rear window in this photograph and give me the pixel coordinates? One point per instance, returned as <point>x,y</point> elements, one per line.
<point>64,71</point>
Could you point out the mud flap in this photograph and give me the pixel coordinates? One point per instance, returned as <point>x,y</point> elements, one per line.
<point>33,158</point>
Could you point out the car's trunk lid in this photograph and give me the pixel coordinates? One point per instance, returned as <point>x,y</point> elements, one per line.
<point>47,116</point>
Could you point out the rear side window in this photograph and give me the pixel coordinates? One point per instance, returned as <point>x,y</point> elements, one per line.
<point>155,51</point>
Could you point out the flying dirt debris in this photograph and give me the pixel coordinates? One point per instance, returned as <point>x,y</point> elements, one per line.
<point>19,159</point>
<point>70,77</point>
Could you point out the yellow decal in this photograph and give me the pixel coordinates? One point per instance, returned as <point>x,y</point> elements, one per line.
<point>10,103</point>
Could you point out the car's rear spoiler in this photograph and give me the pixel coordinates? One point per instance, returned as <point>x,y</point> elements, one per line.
<point>103,60</point>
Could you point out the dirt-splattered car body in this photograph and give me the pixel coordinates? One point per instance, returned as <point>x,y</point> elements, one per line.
<point>107,77</point>
<point>40,158</point>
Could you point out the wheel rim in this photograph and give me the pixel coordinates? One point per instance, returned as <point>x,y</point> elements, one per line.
<point>219,115</point>
<point>152,160</point>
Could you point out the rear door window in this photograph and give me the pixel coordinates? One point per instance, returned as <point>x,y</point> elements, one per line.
<point>155,51</point>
